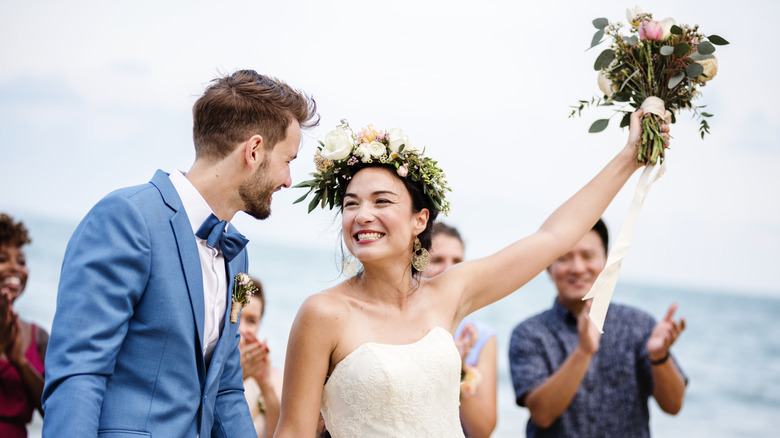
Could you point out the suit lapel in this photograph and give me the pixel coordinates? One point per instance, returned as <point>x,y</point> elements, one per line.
<point>190,259</point>
<point>190,263</point>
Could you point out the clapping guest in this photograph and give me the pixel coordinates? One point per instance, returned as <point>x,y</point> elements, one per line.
<point>22,344</point>
<point>262,382</point>
<point>578,382</point>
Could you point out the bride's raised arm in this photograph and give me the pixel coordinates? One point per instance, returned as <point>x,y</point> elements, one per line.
<point>486,280</point>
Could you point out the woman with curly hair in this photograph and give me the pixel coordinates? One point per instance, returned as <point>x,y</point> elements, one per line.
<point>22,343</point>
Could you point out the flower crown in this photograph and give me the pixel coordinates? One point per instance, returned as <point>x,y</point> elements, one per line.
<point>339,156</point>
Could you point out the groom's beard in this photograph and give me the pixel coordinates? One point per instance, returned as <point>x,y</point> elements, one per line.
<point>257,194</point>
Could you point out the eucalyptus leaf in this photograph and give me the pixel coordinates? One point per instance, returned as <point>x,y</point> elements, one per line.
<point>631,40</point>
<point>621,97</point>
<point>706,48</point>
<point>674,80</point>
<point>676,30</point>
<point>626,120</point>
<point>667,50</point>
<point>598,126</point>
<point>597,38</point>
<point>694,69</point>
<point>600,23</point>
<point>681,49</point>
<point>718,41</point>
<point>696,56</point>
<point>604,59</point>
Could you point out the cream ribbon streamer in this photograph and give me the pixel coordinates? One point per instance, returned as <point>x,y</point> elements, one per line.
<point>602,289</point>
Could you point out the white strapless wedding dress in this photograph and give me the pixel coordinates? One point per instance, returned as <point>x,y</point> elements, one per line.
<point>382,390</point>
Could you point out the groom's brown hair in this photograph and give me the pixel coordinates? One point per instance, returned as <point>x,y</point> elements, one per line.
<point>238,106</point>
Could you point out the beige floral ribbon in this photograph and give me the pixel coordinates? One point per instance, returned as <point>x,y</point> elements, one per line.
<point>602,289</point>
<point>655,105</point>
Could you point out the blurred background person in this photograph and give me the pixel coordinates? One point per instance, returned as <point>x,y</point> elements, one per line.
<point>476,343</point>
<point>22,344</point>
<point>262,382</point>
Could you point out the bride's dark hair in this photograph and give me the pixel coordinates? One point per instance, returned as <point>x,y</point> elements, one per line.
<point>419,201</point>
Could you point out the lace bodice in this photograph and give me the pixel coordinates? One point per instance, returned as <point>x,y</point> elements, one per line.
<point>382,390</point>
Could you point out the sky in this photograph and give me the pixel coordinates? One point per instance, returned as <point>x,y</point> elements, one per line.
<point>97,95</point>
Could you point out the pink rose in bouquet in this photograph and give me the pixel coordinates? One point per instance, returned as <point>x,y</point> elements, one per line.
<point>650,30</point>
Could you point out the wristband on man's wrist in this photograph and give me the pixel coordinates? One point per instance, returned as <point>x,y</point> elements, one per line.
<point>661,360</point>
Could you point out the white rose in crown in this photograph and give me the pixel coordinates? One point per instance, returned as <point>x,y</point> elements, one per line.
<point>377,149</point>
<point>396,138</point>
<point>364,152</point>
<point>337,145</point>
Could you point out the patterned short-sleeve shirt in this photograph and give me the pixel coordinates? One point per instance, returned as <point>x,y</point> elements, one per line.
<point>612,399</point>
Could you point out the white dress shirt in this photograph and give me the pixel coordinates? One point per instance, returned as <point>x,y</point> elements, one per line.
<point>212,264</point>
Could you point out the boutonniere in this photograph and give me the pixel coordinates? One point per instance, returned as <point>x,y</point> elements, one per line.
<point>243,289</point>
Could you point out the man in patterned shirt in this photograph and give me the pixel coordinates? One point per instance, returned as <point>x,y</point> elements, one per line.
<point>578,382</point>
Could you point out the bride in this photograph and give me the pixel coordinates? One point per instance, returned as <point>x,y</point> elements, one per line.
<point>375,354</point>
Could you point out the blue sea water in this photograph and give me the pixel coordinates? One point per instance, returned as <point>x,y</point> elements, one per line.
<point>730,350</point>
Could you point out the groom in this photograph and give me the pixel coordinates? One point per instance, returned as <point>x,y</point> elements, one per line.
<point>142,344</point>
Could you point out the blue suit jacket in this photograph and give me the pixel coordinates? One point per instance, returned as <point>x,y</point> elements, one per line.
<point>125,355</point>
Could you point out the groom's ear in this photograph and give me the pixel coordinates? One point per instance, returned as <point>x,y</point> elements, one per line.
<point>254,151</point>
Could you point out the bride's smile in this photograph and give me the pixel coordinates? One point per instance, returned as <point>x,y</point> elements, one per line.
<point>368,236</point>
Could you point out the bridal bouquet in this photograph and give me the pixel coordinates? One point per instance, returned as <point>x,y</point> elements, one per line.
<point>659,67</point>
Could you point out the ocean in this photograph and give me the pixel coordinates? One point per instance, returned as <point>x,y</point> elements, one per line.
<point>730,350</point>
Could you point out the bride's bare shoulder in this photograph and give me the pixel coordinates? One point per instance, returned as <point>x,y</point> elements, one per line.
<point>330,305</point>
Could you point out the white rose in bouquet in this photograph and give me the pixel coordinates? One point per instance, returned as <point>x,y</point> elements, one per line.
<point>666,25</point>
<point>632,15</point>
<point>337,145</point>
<point>710,69</point>
<point>606,85</point>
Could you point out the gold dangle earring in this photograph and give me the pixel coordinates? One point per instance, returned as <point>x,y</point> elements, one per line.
<point>420,256</point>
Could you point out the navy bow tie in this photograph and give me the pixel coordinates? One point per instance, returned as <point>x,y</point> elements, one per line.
<point>213,231</point>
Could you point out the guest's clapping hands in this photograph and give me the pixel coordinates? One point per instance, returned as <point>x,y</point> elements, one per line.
<point>255,359</point>
<point>664,335</point>
<point>10,342</point>
<point>465,342</point>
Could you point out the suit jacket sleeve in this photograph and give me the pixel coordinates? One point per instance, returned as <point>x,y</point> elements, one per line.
<point>104,274</point>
